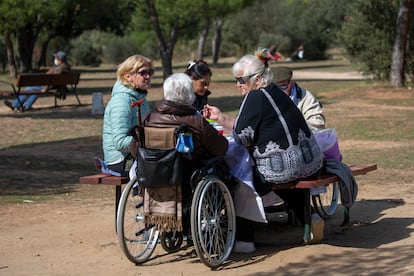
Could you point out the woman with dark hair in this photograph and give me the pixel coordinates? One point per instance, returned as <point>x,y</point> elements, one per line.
<point>200,74</point>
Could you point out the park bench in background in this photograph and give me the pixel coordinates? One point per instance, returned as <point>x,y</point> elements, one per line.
<point>52,84</point>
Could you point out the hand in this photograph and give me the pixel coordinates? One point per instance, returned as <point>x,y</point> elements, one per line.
<point>211,112</point>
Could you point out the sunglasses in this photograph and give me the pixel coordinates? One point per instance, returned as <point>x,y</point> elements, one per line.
<point>144,73</point>
<point>243,80</point>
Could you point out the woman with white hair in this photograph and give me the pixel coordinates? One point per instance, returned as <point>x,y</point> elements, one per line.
<point>176,109</point>
<point>275,133</point>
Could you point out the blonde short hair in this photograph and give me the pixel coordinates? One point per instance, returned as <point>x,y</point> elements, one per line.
<point>179,88</point>
<point>132,65</point>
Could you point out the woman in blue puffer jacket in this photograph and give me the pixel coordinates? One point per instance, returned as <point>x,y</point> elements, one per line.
<point>133,79</point>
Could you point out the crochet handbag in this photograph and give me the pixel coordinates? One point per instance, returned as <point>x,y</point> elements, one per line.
<point>297,161</point>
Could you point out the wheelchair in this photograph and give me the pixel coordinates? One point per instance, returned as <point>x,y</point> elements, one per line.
<point>212,219</point>
<point>326,202</point>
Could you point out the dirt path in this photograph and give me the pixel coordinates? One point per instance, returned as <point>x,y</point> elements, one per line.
<point>75,236</point>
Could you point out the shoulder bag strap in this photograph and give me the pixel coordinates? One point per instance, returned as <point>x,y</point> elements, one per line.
<point>279,115</point>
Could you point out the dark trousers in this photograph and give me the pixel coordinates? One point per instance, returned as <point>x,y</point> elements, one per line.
<point>245,229</point>
<point>295,199</point>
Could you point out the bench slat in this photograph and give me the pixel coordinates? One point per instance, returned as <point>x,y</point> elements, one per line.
<point>325,179</point>
<point>115,180</point>
<point>102,178</point>
<point>303,184</point>
<point>92,179</point>
<point>362,168</point>
<point>33,80</point>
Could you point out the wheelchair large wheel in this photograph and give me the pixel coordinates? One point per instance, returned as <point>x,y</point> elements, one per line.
<point>213,221</point>
<point>325,203</point>
<point>137,240</point>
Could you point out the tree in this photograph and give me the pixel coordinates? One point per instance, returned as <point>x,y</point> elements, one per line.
<point>287,24</point>
<point>64,18</point>
<point>216,11</point>
<point>372,32</point>
<point>400,43</point>
<point>170,21</point>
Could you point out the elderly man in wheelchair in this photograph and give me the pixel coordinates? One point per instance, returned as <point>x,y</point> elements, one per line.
<point>181,174</point>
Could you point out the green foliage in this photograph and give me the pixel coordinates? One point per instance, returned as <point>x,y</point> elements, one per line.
<point>84,52</point>
<point>115,49</point>
<point>94,47</point>
<point>368,36</point>
<point>287,24</point>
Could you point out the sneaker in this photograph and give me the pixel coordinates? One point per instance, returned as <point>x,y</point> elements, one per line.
<point>243,247</point>
<point>318,226</point>
<point>9,104</point>
<point>272,199</point>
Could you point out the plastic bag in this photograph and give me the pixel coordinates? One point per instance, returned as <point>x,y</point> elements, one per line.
<point>328,143</point>
<point>185,142</point>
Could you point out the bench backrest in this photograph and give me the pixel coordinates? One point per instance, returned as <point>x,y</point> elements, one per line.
<point>43,79</point>
<point>32,80</point>
<point>65,79</point>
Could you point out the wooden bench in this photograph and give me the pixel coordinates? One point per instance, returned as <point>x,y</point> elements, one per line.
<point>50,83</point>
<point>322,180</point>
<point>106,179</point>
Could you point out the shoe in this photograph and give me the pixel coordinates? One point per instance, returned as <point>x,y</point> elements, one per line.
<point>272,200</point>
<point>243,247</point>
<point>317,227</point>
<point>9,104</point>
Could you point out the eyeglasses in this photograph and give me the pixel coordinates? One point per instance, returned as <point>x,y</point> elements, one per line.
<point>243,80</point>
<point>144,73</point>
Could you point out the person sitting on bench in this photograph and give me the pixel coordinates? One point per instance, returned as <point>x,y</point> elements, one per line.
<point>60,66</point>
<point>276,134</point>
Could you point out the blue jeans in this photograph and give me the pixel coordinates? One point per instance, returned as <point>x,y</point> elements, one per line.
<point>27,101</point>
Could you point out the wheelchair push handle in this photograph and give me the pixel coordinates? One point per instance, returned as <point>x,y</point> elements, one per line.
<point>138,103</point>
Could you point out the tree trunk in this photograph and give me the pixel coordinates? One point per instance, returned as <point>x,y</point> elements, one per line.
<point>42,59</point>
<point>203,38</point>
<point>165,50</point>
<point>24,50</point>
<point>10,55</point>
<point>218,26</point>
<point>26,41</point>
<point>399,49</point>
